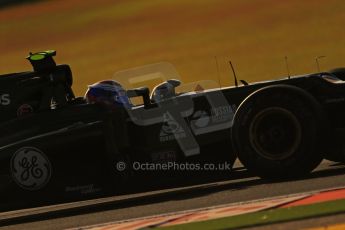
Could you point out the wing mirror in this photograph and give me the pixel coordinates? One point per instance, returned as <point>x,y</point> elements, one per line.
<point>143,92</point>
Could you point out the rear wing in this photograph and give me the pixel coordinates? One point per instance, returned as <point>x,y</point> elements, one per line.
<point>47,86</point>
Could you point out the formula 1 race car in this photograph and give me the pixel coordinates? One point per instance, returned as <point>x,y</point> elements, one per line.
<point>58,146</point>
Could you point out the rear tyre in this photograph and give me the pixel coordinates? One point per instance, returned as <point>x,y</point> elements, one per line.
<point>277,132</point>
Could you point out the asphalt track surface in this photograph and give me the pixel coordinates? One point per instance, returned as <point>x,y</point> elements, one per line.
<point>241,187</point>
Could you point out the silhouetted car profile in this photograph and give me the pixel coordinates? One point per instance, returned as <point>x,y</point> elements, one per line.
<point>55,145</point>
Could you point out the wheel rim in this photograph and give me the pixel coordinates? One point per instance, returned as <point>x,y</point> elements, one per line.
<point>275,133</point>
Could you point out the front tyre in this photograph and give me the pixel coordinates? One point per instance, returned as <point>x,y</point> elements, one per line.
<point>277,132</point>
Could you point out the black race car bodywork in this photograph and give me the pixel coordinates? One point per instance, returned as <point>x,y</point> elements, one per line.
<point>56,146</point>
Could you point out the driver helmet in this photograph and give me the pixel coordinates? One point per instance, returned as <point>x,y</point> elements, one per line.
<point>109,93</point>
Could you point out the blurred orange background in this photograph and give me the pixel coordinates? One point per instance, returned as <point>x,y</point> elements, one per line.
<point>99,38</point>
